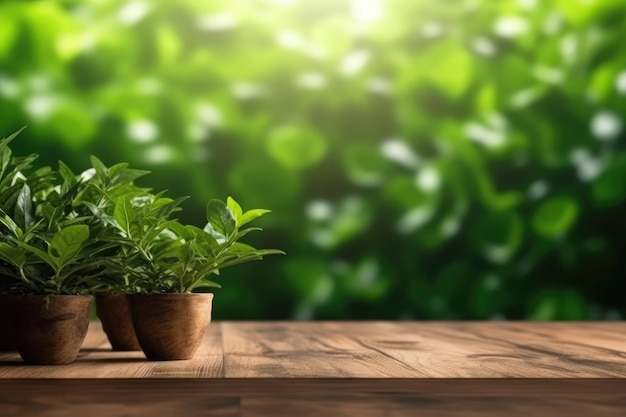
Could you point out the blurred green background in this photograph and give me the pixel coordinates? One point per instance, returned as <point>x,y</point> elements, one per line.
<point>423,159</point>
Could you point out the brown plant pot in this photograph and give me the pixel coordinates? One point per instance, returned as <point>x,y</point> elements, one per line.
<point>52,332</point>
<point>7,323</point>
<point>170,326</point>
<point>114,313</point>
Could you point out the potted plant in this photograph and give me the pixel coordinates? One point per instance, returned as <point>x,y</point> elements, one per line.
<point>49,261</point>
<point>98,186</point>
<point>48,272</point>
<point>12,175</point>
<point>168,265</point>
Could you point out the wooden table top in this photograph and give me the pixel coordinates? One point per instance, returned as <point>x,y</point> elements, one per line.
<point>563,362</point>
<point>363,350</point>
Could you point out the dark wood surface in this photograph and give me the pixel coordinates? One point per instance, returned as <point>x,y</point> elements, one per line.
<point>340,368</point>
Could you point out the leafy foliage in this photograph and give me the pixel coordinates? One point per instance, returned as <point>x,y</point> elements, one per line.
<point>42,249</point>
<point>463,159</point>
<point>159,254</point>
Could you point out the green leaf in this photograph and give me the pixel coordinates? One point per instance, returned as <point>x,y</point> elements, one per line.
<point>100,215</point>
<point>220,217</point>
<point>8,139</point>
<point>250,215</point>
<point>235,209</point>
<point>168,208</point>
<point>24,215</point>
<point>243,232</point>
<point>10,224</point>
<point>67,242</point>
<point>69,179</point>
<point>554,217</point>
<point>102,172</point>
<point>241,247</point>
<point>5,159</point>
<point>206,244</point>
<point>124,214</point>
<point>185,253</point>
<point>207,283</point>
<point>11,254</point>
<point>182,231</point>
<point>50,260</point>
<point>125,176</point>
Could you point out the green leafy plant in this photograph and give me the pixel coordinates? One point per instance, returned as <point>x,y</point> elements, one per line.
<point>52,237</point>
<point>46,253</point>
<point>161,254</point>
<point>93,193</point>
<point>99,232</point>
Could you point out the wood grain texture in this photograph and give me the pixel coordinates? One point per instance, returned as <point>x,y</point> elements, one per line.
<point>340,369</point>
<point>424,350</point>
<point>397,405</point>
<point>312,405</point>
<point>364,350</point>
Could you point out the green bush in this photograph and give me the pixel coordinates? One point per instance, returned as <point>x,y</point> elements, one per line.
<point>423,159</point>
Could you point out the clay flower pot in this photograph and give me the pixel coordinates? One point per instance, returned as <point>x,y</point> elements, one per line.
<point>114,313</point>
<point>170,326</point>
<point>51,332</point>
<point>7,323</point>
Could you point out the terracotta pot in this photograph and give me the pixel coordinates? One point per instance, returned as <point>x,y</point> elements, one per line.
<point>114,313</point>
<point>7,323</point>
<point>170,326</point>
<point>51,332</point>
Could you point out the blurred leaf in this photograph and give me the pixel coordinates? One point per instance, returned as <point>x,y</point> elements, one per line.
<point>296,147</point>
<point>73,124</point>
<point>365,280</point>
<point>352,219</point>
<point>309,278</point>
<point>9,30</point>
<point>486,296</point>
<point>498,236</point>
<point>555,216</point>
<point>263,184</point>
<point>364,164</point>
<point>610,187</point>
<point>558,305</point>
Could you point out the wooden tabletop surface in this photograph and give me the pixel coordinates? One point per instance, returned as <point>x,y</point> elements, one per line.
<point>298,367</point>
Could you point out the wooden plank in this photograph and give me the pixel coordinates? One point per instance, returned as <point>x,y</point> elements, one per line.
<point>423,350</point>
<point>96,360</point>
<point>134,402</point>
<point>339,368</point>
<point>337,397</point>
<point>386,350</point>
<point>375,405</point>
<point>116,388</point>
<point>307,350</point>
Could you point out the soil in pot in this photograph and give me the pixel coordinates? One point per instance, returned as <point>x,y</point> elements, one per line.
<point>50,330</point>
<point>170,326</point>
<point>114,313</point>
<point>7,323</point>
